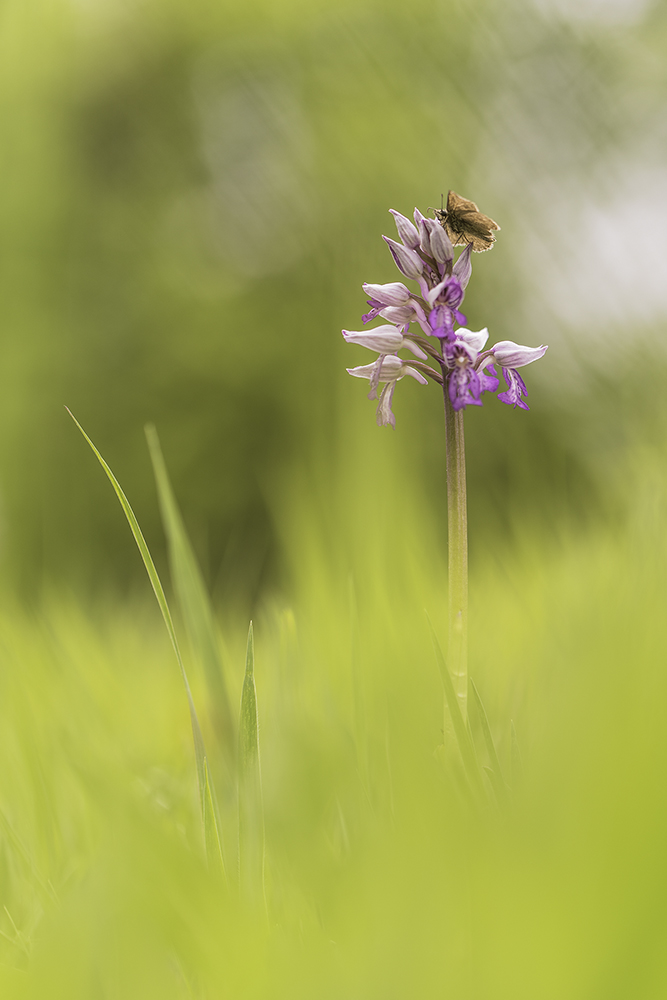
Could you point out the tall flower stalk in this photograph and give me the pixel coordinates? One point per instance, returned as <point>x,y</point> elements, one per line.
<point>429,324</point>
<point>457,538</point>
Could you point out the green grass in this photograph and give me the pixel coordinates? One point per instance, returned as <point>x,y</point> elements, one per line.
<point>382,877</point>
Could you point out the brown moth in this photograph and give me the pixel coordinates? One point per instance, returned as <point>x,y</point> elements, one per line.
<point>464,223</point>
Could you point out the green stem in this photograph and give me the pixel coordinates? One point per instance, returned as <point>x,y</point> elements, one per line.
<point>457,531</point>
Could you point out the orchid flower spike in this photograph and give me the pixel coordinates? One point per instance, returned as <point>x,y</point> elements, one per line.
<point>460,360</point>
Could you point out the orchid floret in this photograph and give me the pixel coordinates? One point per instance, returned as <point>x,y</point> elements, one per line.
<point>389,369</point>
<point>392,369</point>
<point>385,339</point>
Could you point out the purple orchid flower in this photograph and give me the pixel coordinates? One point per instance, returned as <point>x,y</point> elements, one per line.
<point>512,356</point>
<point>425,255</point>
<point>466,382</point>
<point>444,300</point>
<point>380,297</point>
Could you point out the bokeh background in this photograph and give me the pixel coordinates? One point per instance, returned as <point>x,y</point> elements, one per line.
<point>191,195</point>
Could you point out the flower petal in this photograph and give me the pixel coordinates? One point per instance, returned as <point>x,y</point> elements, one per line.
<point>433,293</point>
<point>409,370</point>
<point>463,267</point>
<point>441,246</point>
<point>385,339</point>
<point>511,355</point>
<point>474,340</point>
<point>400,315</point>
<point>394,293</point>
<point>387,369</point>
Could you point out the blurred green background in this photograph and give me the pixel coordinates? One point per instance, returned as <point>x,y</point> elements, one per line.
<point>191,195</point>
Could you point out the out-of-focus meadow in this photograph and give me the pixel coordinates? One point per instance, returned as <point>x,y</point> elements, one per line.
<point>192,194</point>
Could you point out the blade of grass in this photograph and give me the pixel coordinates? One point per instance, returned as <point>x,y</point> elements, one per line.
<point>251,812</point>
<point>198,740</point>
<point>461,731</point>
<point>212,840</point>
<point>193,598</point>
<point>495,771</point>
<point>516,760</point>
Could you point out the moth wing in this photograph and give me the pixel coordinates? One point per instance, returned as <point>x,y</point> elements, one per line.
<point>456,234</point>
<point>481,241</point>
<point>487,222</point>
<point>455,203</point>
<point>462,231</point>
<point>476,220</point>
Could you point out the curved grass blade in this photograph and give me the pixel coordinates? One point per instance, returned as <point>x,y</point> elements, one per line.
<point>193,598</point>
<point>461,731</point>
<point>495,771</point>
<point>214,852</point>
<point>251,810</point>
<point>200,752</point>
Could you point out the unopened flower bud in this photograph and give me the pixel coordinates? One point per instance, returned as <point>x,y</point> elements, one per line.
<point>441,248</point>
<point>406,260</point>
<point>406,231</point>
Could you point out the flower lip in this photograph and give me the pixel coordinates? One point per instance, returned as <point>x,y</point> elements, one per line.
<point>516,390</point>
